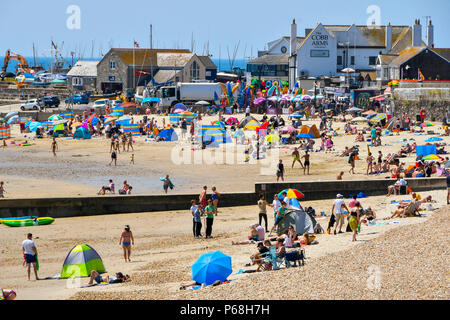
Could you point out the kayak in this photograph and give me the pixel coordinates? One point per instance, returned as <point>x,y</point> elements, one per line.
<point>28,222</point>
<point>18,218</point>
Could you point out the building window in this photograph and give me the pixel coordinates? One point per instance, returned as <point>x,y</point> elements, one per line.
<point>352,60</point>
<point>195,71</point>
<point>77,81</point>
<point>339,60</point>
<point>372,61</point>
<point>386,73</point>
<point>112,65</point>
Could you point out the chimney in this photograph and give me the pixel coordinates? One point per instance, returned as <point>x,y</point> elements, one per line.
<point>293,38</point>
<point>417,34</point>
<point>430,36</point>
<point>388,40</point>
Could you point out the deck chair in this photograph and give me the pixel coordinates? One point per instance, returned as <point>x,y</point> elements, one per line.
<point>412,209</point>
<point>271,257</point>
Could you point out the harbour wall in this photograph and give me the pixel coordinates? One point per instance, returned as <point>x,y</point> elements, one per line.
<point>100,205</point>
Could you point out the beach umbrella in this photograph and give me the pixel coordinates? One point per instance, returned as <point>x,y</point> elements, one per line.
<point>272,138</point>
<point>319,96</point>
<point>305,97</point>
<point>353,109</point>
<point>34,125</point>
<point>2,119</point>
<point>232,121</point>
<point>202,103</point>
<point>13,119</point>
<point>432,139</point>
<point>11,114</point>
<point>211,267</point>
<point>55,117</point>
<point>259,100</point>
<point>349,70</point>
<point>297,98</point>
<point>116,114</point>
<point>369,112</point>
<point>124,118</point>
<point>427,124</point>
<point>274,98</point>
<point>291,194</point>
<point>180,106</point>
<point>379,117</point>
<point>109,119</point>
<point>60,122</point>
<point>431,157</point>
<point>151,99</point>
<point>359,119</point>
<point>287,129</point>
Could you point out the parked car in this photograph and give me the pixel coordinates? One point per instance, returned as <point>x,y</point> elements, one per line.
<point>78,99</point>
<point>31,105</point>
<point>102,103</point>
<point>49,101</point>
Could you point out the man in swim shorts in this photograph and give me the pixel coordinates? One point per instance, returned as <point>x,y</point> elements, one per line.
<point>296,157</point>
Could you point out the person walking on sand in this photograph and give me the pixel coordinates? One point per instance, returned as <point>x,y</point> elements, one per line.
<point>112,146</point>
<point>215,197</point>
<point>132,159</point>
<point>29,253</point>
<point>2,189</point>
<point>210,211</point>
<point>262,206</point>
<point>338,210</point>
<point>113,158</point>
<point>351,161</point>
<point>54,147</point>
<point>130,143</point>
<point>124,142</point>
<point>370,160</point>
<point>354,220</point>
<point>167,184</point>
<point>126,241</point>
<point>280,170</point>
<point>117,145</point>
<point>296,157</point>
<point>307,163</point>
<point>202,197</point>
<point>197,213</point>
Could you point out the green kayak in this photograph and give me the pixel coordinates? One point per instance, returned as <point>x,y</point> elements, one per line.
<point>28,222</point>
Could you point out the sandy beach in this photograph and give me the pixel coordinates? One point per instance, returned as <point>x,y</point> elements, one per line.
<point>165,247</point>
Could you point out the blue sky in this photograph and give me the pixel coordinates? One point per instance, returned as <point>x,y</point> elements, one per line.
<point>223,23</point>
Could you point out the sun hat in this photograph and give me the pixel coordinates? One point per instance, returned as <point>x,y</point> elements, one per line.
<point>339,195</point>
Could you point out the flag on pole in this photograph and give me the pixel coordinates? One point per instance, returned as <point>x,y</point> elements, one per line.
<point>136,44</point>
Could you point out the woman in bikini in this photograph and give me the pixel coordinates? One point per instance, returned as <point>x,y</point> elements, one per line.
<point>126,240</point>
<point>215,197</point>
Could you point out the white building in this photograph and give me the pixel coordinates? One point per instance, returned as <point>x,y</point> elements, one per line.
<point>326,50</point>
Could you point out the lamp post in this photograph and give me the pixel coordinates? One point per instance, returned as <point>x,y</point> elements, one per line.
<point>315,93</point>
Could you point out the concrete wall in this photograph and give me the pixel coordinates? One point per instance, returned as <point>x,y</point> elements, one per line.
<point>89,206</point>
<point>329,189</point>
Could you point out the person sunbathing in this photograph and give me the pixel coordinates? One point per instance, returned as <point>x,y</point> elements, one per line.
<point>97,277</point>
<point>256,234</point>
<point>368,215</point>
<point>412,210</point>
<point>359,137</point>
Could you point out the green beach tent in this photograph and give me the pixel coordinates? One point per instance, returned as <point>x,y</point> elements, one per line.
<point>80,261</point>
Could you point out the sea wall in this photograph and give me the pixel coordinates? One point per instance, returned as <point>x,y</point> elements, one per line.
<point>90,206</point>
<point>318,190</point>
<point>99,205</point>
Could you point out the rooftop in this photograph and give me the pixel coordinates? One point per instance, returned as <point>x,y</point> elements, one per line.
<point>84,68</point>
<point>271,59</point>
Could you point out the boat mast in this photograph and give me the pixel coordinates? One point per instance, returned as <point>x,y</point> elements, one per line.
<point>151,52</point>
